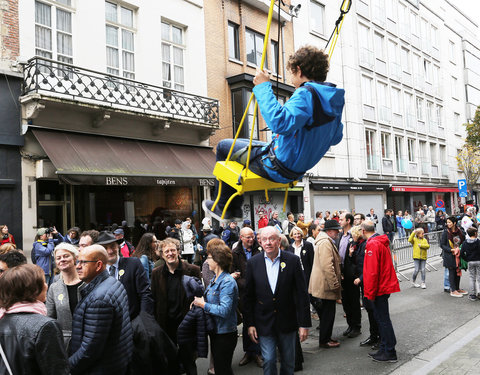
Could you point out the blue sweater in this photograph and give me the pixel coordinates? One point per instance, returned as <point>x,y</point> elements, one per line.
<point>297,148</point>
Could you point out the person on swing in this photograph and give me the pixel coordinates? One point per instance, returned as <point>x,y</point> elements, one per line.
<point>303,128</point>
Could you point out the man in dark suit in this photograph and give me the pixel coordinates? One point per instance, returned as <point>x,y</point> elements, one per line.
<point>130,272</point>
<point>246,248</point>
<point>276,303</point>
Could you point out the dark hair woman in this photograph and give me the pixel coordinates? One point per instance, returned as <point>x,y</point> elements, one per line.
<point>5,237</point>
<point>33,343</point>
<point>146,252</point>
<point>452,238</point>
<point>221,299</point>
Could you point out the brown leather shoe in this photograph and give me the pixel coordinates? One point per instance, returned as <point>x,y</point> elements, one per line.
<point>330,344</point>
<point>247,358</point>
<point>259,361</point>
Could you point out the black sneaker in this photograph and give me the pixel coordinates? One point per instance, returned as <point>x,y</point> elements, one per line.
<point>217,213</point>
<point>385,357</point>
<point>472,297</point>
<point>347,331</point>
<point>354,333</point>
<point>375,352</point>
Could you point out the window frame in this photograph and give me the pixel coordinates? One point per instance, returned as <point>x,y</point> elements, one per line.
<point>172,82</point>
<point>256,35</point>
<point>236,41</point>
<point>320,6</point>
<point>245,93</point>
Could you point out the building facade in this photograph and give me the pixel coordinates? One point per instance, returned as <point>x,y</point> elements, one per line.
<point>411,74</point>
<point>114,112</point>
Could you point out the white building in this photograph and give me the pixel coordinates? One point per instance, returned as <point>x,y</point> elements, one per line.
<point>411,72</point>
<point>114,112</point>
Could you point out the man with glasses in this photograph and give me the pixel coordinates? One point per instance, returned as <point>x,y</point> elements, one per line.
<point>246,248</point>
<point>171,302</point>
<point>358,219</point>
<point>102,337</point>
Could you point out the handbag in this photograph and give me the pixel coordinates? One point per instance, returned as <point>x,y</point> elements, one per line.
<point>4,357</point>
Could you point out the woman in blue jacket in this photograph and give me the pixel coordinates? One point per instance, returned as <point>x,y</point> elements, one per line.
<point>221,299</point>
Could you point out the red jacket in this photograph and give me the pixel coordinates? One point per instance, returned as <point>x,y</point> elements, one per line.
<point>263,222</point>
<point>379,276</point>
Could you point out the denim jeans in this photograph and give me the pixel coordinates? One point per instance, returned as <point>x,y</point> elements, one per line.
<point>382,316</point>
<point>474,272</point>
<point>401,232</point>
<point>446,279</point>
<point>286,348</point>
<point>419,266</point>
<point>255,166</point>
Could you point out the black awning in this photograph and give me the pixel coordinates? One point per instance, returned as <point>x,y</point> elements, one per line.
<point>82,159</point>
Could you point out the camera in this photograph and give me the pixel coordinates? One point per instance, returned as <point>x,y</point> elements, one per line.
<point>49,230</point>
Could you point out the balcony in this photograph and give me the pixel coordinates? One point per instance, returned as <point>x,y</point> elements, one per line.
<point>71,84</point>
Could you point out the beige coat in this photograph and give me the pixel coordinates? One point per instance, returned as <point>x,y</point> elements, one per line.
<point>325,280</point>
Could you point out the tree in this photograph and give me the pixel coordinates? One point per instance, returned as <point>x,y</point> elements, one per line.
<point>468,160</point>
<point>473,130</point>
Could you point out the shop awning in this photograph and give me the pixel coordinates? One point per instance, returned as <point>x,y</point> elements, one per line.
<point>345,186</point>
<point>82,159</point>
<point>424,189</point>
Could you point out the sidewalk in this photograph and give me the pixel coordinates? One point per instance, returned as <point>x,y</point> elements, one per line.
<point>456,354</point>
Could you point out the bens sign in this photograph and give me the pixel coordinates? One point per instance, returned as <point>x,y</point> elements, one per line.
<point>117,181</point>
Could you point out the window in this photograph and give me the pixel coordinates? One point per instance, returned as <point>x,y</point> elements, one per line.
<point>53,32</point>
<point>438,114</point>
<point>392,10</point>
<point>423,150</point>
<point>433,153</point>
<point>120,40</point>
<point>268,132</point>
<point>254,47</point>
<point>371,149</point>
<point>173,50</point>
<point>434,37</point>
<point>456,122</point>
<point>420,109</point>
<point>275,57</point>
<point>240,99</point>
<point>414,23</point>
<point>367,90</point>
<point>436,78</point>
<point>383,102</point>
<point>386,152</point>
<point>427,68</point>
<point>424,34</point>
<point>233,41</point>
<point>454,87</point>
<point>379,48</point>
<point>443,154</point>
<point>317,17</point>
<point>399,154</point>
<point>451,51</point>
<point>411,150</point>
<point>396,101</point>
<point>430,117</point>
<point>406,65</point>
<point>366,57</point>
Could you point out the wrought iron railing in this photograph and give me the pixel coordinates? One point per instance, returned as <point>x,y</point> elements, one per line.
<point>71,82</point>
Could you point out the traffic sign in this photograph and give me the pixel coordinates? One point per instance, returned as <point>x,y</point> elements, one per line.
<point>440,203</point>
<point>462,188</point>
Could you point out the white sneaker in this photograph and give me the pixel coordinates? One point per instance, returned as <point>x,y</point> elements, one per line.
<point>415,285</point>
<point>456,294</point>
<point>424,286</point>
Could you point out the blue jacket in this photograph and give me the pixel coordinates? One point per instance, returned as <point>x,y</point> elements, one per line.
<point>297,148</point>
<point>43,255</point>
<point>102,338</point>
<point>222,300</point>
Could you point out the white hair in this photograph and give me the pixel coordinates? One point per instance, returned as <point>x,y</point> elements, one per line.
<point>67,247</point>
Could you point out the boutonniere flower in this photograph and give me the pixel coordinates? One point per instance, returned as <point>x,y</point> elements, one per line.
<point>350,240</point>
<point>60,297</point>
<point>304,252</point>
<point>121,272</point>
<point>282,266</point>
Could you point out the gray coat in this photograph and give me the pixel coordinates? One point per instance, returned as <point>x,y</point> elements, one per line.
<point>58,306</point>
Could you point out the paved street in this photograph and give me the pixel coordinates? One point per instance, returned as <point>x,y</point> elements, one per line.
<point>429,325</point>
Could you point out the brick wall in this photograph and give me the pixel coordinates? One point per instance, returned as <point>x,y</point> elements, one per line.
<point>9,33</point>
<point>219,67</point>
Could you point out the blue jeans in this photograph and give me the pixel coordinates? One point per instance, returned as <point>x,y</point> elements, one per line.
<point>401,232</point>
<point>382,315</point>
<point>419,266</point>
<point>446,279</point>
<point>255,166</point>
<point>286,347</point>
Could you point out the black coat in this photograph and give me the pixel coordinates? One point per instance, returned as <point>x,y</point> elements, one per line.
<point>33,344</point>
<point>135,282</point>
<point>358,257</point>
<point>448,257</point>
<point>471,250</point>
<point>194,330</point>
<point>239,263</point>
<point>306,256</point>
<point>286,309</point>
<point>102,337</point>
<point>387,224</point>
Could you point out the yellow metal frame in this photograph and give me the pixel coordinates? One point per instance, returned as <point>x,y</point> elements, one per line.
<point>235,174</point>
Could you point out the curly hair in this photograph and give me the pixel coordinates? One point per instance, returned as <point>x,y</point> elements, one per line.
<point>312,61</point>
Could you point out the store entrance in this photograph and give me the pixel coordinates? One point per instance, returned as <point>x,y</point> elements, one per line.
<point>53,208</point>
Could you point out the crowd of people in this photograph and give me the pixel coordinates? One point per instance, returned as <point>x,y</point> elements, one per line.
<point>93,303</point>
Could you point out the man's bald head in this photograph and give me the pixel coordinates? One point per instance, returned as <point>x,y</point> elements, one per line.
<point>91,262</point>
<point>247,237</point>
<point>96,252</point>
<point>369,227</point>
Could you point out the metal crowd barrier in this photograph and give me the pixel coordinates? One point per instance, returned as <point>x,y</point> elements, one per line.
<point>402,252</point>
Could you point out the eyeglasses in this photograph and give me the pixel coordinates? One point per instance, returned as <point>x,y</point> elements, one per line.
<point>82,262</point>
